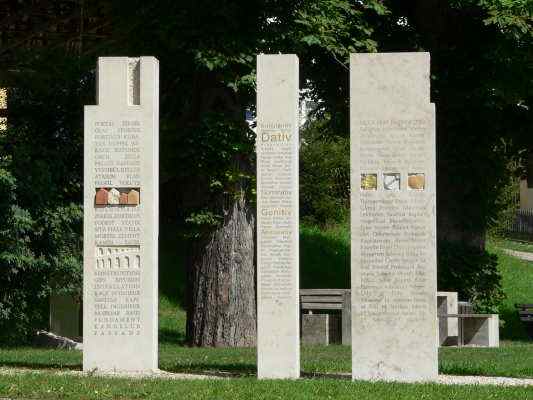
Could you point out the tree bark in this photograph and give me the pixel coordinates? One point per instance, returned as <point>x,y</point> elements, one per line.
<point>221,280</point>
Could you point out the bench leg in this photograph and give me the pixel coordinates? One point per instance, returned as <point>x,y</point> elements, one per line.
<point>461,338</point>
<point>346,319</point>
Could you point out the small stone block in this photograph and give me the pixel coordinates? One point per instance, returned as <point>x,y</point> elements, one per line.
<point>416,181</point>
<point>133,197</point>
<point>114,197</point>
<point>315,329</point>
<point>323,329</point>
<point>101,197</point>
<point>123,198</point>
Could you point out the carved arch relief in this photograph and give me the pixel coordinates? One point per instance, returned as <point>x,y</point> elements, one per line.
<point>118,257</point>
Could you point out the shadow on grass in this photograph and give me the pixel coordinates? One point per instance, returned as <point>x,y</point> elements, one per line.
<point>327,375</point>
<point>462,371</point>
<point>41,365</point>
<point>324,259</point>
<point>512,329</point>
<point>171,336</point>
<point>214,369</point>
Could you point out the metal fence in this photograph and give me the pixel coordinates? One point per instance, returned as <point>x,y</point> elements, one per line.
<point>522,225</point>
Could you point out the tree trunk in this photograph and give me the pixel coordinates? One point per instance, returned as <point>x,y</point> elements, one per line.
<point>221,281</point>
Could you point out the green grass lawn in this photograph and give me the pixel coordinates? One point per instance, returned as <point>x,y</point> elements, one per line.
<point>517,283</point>
<point>512,359</point>
<point>47,387</point>
<point>319,248</point>
<point>325,257</point>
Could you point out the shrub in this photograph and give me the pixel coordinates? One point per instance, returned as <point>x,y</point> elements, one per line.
<point>507,202</point>
<point>41,184</point>
<point>324,176</point>
<point>471,272</point>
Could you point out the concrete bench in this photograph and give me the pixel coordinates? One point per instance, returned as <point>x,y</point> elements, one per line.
<point>458,325</point>
<point>525,312</point>
<point>477,329</point>
<point>447,303</point>
<point>326,328</point>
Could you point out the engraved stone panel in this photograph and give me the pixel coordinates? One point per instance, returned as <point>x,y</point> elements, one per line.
<point>120,234</point>
<point>394,331</point>
<point>278,337</point>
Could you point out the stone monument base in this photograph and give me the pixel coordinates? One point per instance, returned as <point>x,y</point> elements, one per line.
<point>323,329</point>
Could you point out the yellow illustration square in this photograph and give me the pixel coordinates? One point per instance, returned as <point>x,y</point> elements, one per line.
<point>369,181</point>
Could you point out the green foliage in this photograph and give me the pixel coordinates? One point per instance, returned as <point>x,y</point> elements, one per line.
<point>324,175</point>
<point>508,205</point>
<point>514,17</point>
<point>41,182</point>
<point>325,257</point>
<point>207,56</point>
<point>507,202</point>
<point>482,63</point>
<point>218,150</point>
<point>20,267</point>
<point>472,273</point>
<point>339,27</point>
<point>481,66</point>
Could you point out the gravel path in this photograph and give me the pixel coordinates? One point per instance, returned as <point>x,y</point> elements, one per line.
<point>523,255</point>
<point>442,379</point>
<point>451,379</point>
<point>483,380</point>
<point>155,375</point>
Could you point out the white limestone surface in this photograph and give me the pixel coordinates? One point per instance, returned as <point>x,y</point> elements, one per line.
<point>121,238</point>
<point>393,221</point>
<point>278,331</point>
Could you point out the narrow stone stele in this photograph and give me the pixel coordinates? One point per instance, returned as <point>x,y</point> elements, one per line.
<point>278,319</point>
<point>120,249</point>
<point>393,224</point>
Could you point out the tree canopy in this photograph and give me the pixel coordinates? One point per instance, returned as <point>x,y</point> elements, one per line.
<point>482,62</point>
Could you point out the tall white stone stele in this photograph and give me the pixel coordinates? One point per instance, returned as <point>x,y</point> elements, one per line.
<point>278,321</point>
<point>393,218</point>
<point>120,291</point>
